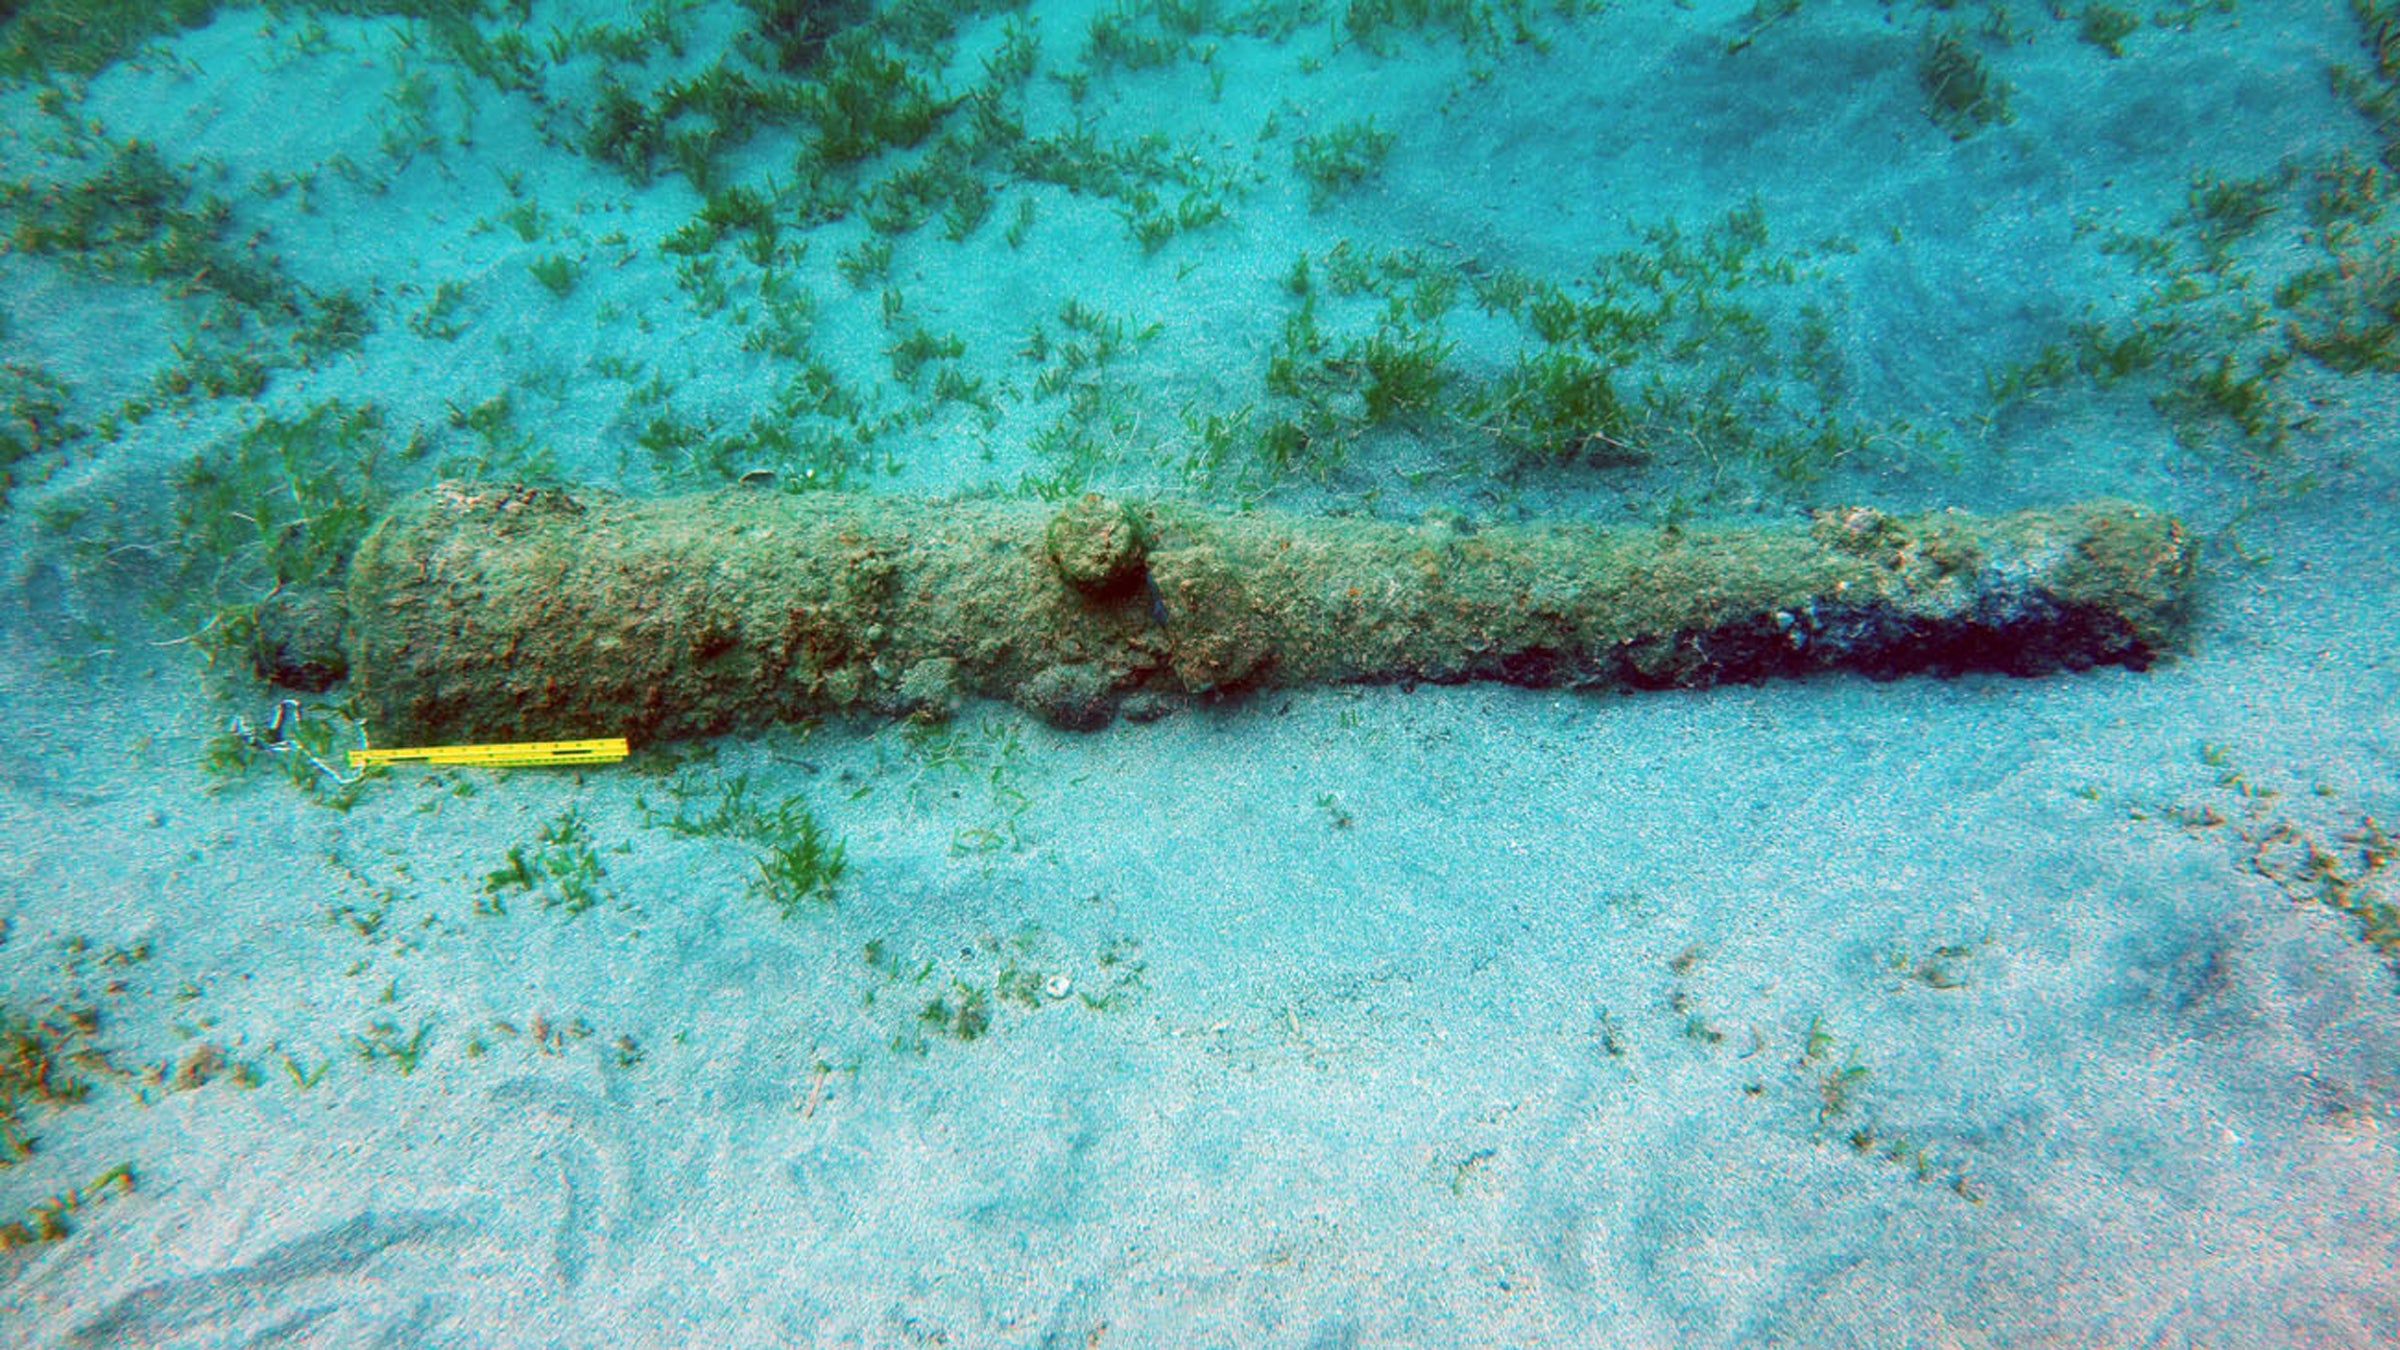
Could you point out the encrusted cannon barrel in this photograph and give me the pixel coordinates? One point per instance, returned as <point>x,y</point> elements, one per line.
<point>496,613</point>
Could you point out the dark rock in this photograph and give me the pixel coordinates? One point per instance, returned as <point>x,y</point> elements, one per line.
<point>932,688</point>
<point>1149,706</point>
<point>1073,697</point>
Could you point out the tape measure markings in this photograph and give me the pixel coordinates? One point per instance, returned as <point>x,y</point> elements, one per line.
<point>514,754</point>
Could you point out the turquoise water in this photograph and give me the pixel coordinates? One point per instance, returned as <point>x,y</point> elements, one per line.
<point>1973,1011</point>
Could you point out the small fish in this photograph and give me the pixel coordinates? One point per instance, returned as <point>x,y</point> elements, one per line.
<point>1158,603</point>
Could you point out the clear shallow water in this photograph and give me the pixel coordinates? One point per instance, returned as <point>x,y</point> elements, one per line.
<point>1980,1011</point>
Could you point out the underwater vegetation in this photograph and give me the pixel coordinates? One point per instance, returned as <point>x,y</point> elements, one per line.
<point>1341,157</point>
<point>875,120</point>
<point>1681,352</point>
<point>51,1060</point>
<point>2342,865</point>
<point>1688,347</point>
<point>799,861</point>
<point>1821,1088</point>
<point>1961,93</point>
<point>560,869</point>
<point>139,221</point>
<point>1704,349</point>
<point>79,37</point>
<point>37,1057</point>
<point>994,981</point>
<point>33,424</point>
<point>277,508</point>
<point>46,1220</point>
<point>2228,321</point>
<point>802,863</point>
<point>2107,27</point>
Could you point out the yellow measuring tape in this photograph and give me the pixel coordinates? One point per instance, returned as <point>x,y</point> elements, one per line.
<point>510,755</point>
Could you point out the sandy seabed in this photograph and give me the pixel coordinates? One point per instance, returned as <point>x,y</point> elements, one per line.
<point>1973,1012</point>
